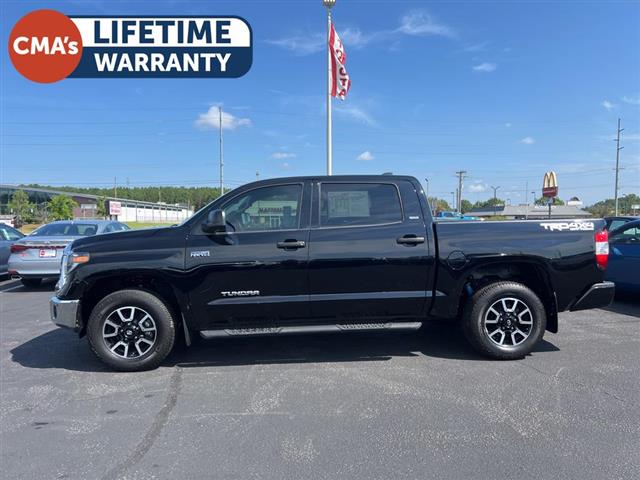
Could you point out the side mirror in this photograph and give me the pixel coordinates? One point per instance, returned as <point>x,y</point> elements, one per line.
<point>215,223</point>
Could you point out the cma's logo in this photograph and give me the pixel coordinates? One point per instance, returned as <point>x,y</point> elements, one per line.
<point>241,293</point>
<point>200,253</point>
<point>568,226</point>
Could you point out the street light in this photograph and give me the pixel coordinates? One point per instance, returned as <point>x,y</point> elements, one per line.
<point>329,4</point>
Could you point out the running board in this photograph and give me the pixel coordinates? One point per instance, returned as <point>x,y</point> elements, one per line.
<point>246,332</point>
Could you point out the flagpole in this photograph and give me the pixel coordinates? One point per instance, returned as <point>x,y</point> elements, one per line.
<point>329,4</point>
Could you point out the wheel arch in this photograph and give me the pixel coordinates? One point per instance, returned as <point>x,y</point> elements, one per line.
<point>153,283</point>
<point>529,273</point>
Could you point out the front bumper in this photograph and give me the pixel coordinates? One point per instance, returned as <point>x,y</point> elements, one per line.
<point>599,295</point>
<point>65,313</point>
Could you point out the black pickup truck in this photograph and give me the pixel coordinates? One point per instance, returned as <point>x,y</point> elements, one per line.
<point>326,254</point>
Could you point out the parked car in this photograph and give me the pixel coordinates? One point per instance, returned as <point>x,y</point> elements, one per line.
<point>624,256</point>
<point>455,216</point>
<point>8,236</point>
<point>327,254</point>
<point>38,255</point>
<point>615,222</point>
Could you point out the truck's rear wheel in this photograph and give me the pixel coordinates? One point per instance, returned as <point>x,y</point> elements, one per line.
<point>504,320</point>
<point>131,330</point>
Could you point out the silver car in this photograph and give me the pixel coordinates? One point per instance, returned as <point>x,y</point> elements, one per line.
<point>8,235</point>
<point>38,255</point>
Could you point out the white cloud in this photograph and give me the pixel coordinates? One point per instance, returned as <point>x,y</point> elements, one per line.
<point>631,100</point>
<point>211,120</point>
<point>478,47</point>
<point>485,67</point>
<point>508,124</point>
<point>608,105</point>
<point>477,187</point>
<point>421,23</point>
<point>285,165</point>
<point>282,155</point>
<point>354,113</point>
<point>418,23</point>
<point>528,141</point>
<point>302,44</point>
<point>365,156</point>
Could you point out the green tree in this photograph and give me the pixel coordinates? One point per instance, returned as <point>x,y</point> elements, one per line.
<point>466,205</point>
<point>607,207</point>
<point>544,200</point>
<point>438,204</point>
<point>61,207</point>
<point>489,203</point>
<point>21,206</point>
<point>101,207</point>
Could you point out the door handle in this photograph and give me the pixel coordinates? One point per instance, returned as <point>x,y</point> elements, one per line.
<point>291,244</point>
<point>410,240</point>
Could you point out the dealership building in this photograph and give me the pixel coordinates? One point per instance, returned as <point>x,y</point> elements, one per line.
<point>121,209</point>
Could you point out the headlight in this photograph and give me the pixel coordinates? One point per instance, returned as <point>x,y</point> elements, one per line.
<point>70,260</point>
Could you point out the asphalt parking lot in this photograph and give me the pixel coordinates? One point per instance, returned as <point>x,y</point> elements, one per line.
<point>350,406</point>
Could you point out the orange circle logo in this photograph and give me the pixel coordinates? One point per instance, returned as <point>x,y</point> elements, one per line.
<point>45,46</point>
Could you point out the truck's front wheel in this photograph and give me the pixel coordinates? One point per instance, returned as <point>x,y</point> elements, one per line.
<point>504,320</point>
<point>131,330</point>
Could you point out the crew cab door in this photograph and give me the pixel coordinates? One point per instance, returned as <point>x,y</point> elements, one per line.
<point>368,251</point>
<point>254,275</point>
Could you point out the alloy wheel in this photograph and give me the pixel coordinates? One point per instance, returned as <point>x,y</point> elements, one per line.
<point>508,322</point>
<point>129,332</point>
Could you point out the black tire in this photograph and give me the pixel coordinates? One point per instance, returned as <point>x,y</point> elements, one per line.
<point>145,302</point>
<point>31,282</point>
<point>484,324</point>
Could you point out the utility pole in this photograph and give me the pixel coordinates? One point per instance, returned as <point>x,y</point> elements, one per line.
<point>495,199</point>
<point>618,148</point>
<point>453,200</point>
<point>257,175</point>
<point>221,155</point>
<point>526,200</point>
<point>460,175</point>
<point>115,187</point>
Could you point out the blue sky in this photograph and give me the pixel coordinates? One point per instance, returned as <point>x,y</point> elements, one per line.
<point>504,90</point>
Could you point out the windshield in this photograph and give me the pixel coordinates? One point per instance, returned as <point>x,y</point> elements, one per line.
<point>66,229</point>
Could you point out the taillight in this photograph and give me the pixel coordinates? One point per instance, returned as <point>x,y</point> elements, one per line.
<point>17,247</point>
<point>602,248</point>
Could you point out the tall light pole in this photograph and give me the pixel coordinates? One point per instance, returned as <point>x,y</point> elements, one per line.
<point>453,200</point>
<point>329,4</point>
<point>495,199</point>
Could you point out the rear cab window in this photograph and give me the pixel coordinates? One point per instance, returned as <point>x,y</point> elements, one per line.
<point>359,204</point>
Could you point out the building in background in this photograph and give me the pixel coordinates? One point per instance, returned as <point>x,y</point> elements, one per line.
<point>531,212</point>
<point>121,209</point>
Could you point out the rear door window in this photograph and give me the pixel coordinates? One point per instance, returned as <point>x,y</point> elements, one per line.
<point>353,204</point>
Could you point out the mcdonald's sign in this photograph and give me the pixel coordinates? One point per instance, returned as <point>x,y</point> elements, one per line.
<point>550,185</point>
